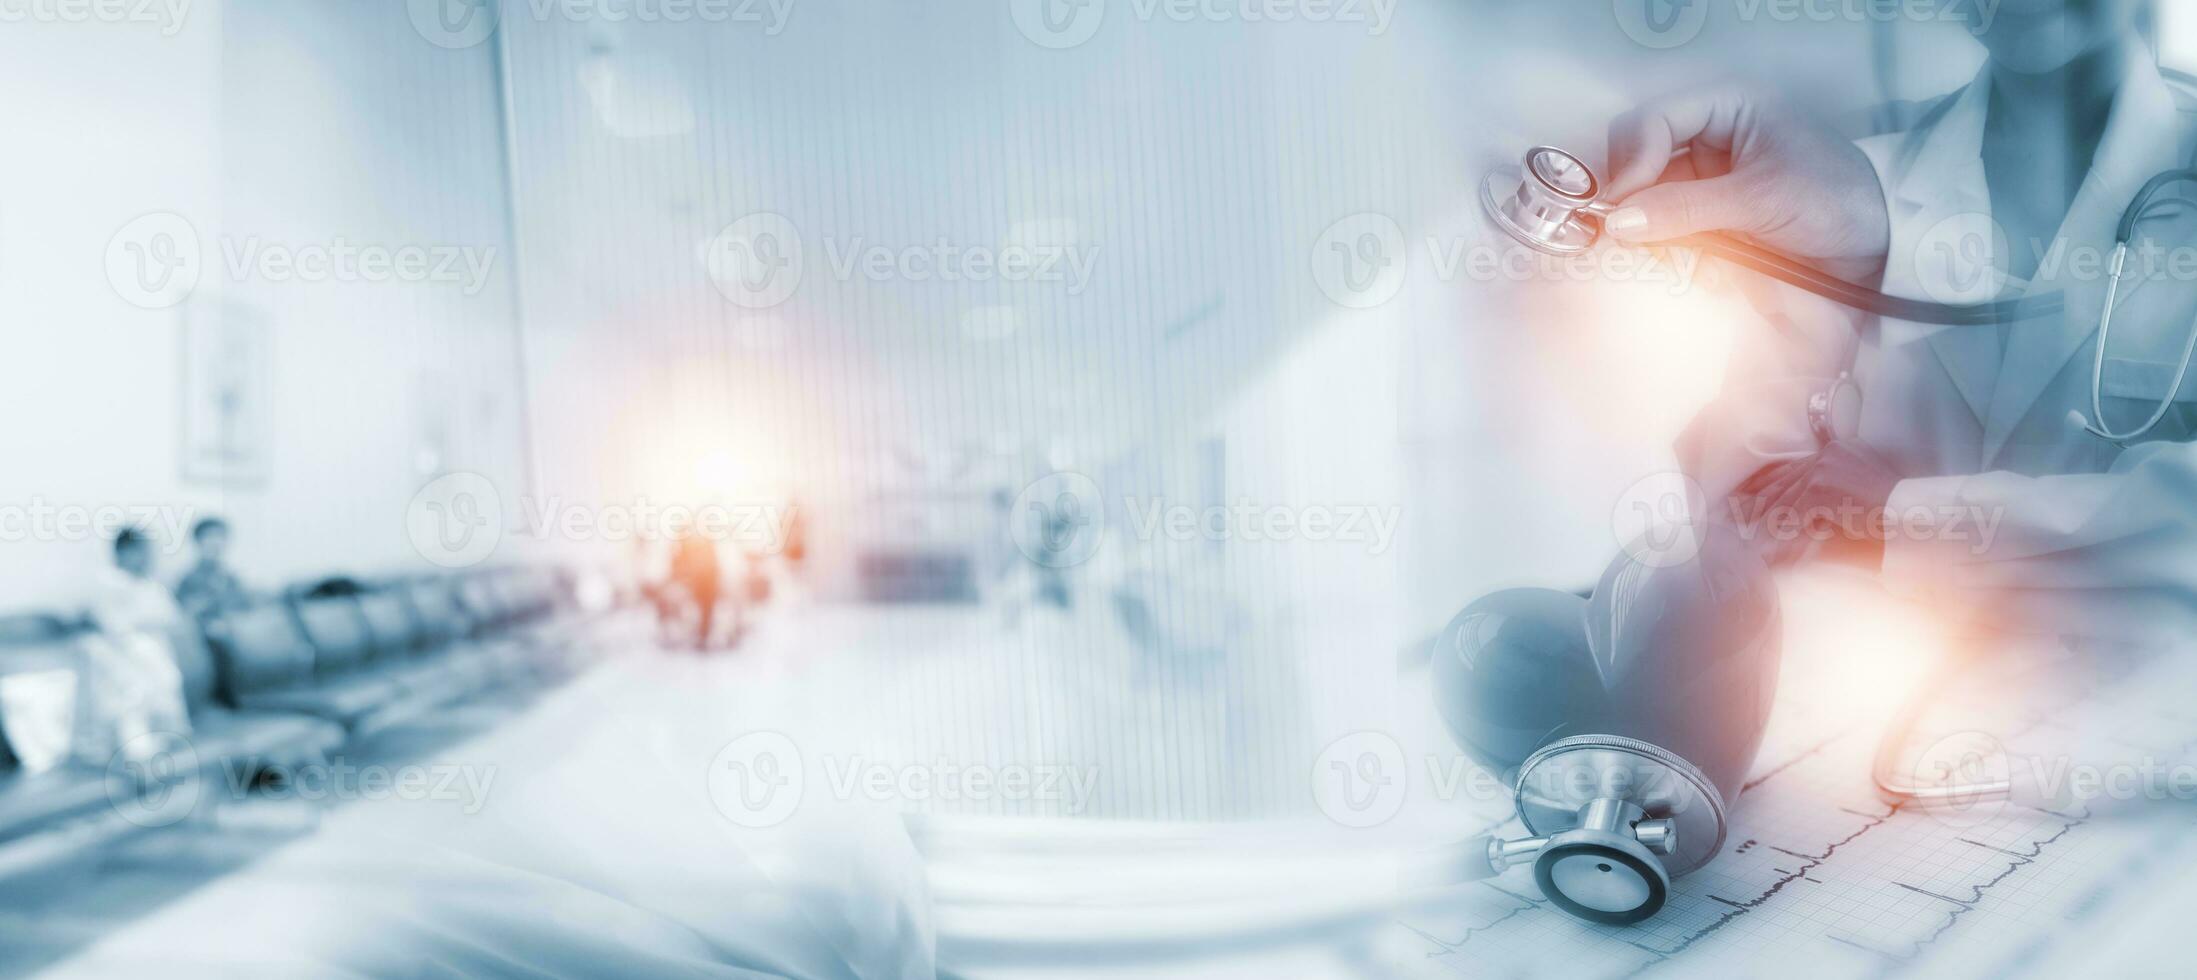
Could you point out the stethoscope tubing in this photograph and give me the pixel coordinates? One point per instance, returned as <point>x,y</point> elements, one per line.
<point>1852,295</point>
<point>2124,234</point>
<point>1777,265</point>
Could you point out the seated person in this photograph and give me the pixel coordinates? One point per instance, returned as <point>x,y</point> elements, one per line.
<point>130,688</point>
<point>209,588</point>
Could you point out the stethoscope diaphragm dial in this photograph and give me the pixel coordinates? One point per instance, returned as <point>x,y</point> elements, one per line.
<point>1546,202</point>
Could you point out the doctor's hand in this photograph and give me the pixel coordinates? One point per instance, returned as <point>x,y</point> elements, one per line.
<point>1757,168</point>
<point>1838,495</point>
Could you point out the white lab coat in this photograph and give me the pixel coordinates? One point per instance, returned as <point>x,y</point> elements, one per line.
<point>2089,539</point>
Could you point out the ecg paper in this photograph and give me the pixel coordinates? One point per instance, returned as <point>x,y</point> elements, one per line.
<point>1819,877</point>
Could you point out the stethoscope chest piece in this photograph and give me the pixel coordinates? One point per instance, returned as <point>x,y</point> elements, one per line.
<point>1547,202</point>
<point>1625,723</point>
<point>1615,819</point>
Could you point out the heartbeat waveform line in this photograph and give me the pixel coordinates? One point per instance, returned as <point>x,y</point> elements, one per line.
<point>1965,906</point>
<point>1797,758</point>
<point>1524,905</point>
<point>2024,722</point>
<point>1809,862</point>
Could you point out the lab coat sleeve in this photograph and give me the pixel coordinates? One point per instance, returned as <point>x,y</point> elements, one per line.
<point>1795,345</point>
<point>2110,555</point>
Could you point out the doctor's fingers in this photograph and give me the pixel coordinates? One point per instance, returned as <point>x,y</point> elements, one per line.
<point>1787,501</point>
<point>1642,141</point>
<point>1681,208</point>
<point>1755,496</point>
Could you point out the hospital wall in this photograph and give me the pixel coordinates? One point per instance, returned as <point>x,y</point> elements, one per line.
<point>266,126</point>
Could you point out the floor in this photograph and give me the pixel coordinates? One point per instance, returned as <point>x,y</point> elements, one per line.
<point>61,913</point>
<point>890,708</point>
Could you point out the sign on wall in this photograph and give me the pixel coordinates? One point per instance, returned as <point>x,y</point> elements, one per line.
<point>227,385</point>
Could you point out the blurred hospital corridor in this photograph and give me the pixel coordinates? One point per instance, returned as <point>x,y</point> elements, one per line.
<point>1080,488</point>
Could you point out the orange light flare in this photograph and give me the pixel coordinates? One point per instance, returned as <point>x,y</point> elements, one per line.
<point>1858,649</point>
<point>1633,339</point>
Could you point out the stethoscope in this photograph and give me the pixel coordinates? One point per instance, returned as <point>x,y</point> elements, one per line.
<point>1625,721</point>
<point>1552,202</point>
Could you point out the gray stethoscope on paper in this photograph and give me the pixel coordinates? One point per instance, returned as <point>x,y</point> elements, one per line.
<point>1552,202</point>
<point>1658,711</point>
